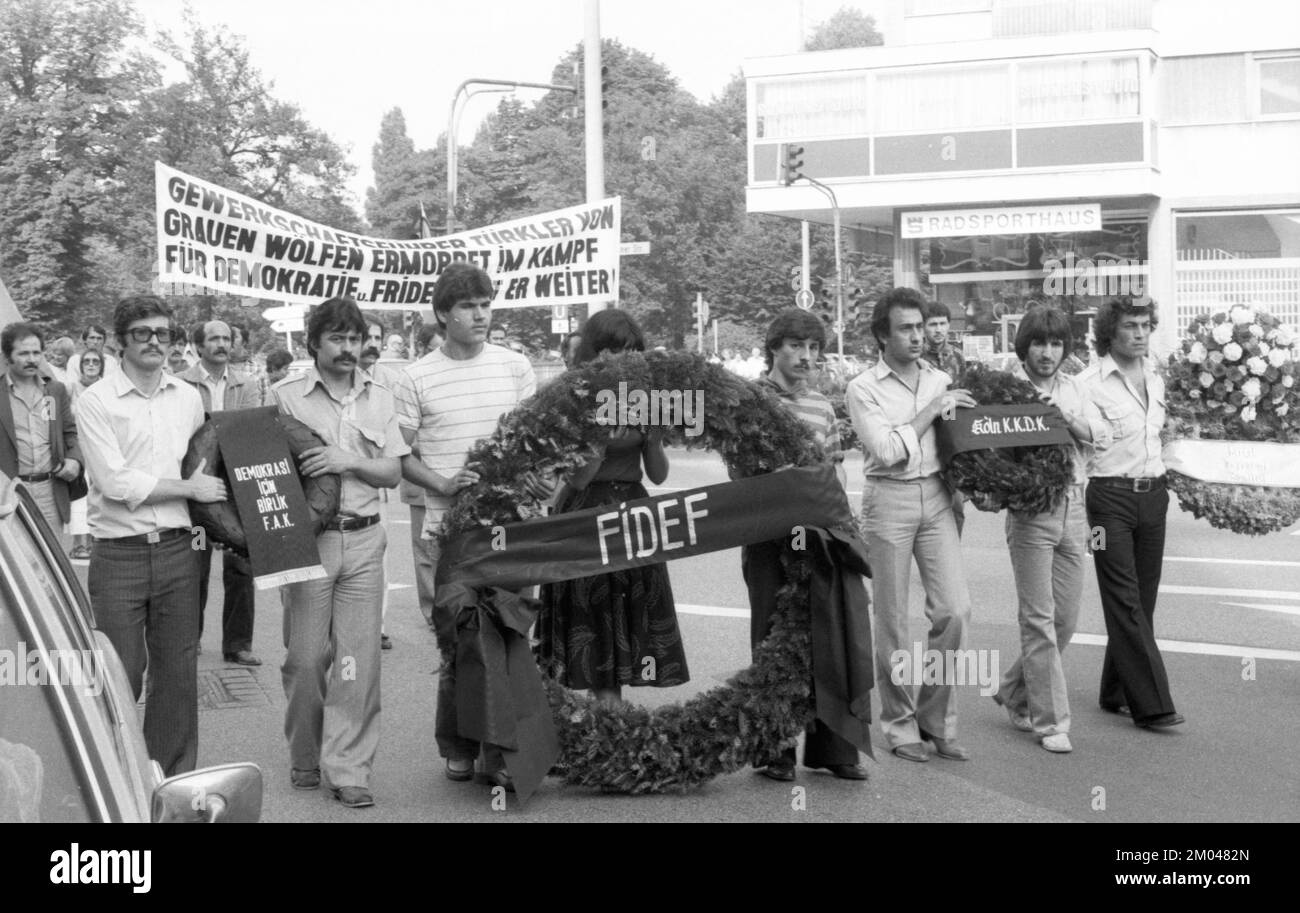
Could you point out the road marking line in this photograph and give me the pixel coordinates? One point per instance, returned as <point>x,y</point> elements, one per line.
<point>1094,640</point>
<point>400,586</point>
<point>1252,561</point>
<point>1288,595</point>
<point>1284,609</point>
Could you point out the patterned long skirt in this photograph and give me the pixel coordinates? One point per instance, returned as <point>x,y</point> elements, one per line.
<point>612,629</point>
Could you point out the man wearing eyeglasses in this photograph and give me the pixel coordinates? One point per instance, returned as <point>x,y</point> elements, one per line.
<point>135,426</point>
<point>222,388</point>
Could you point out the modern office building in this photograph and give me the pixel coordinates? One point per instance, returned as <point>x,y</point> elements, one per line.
<point>1015,150</point>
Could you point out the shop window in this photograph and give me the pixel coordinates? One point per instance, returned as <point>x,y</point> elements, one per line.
<point>1279,86</point>
<point>1061,91</point>
<point>800,109</point>
<point>942,99</point>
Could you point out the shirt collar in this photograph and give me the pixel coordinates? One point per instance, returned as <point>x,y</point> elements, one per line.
<point>360,380</point>
<point>883,370</point>
<point>122,385</point>
<point>1107,366</point>
<point>225,375</point>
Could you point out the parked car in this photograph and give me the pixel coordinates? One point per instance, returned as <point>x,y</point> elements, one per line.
<point>71,746</point>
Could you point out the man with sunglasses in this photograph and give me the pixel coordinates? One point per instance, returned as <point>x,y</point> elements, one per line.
<point>135,426</point>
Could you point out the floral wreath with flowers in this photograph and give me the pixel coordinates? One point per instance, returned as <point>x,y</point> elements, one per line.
<point>1235,377</point>
<point>760,710</point>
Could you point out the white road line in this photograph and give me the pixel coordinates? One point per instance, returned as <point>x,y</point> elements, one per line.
<point>400,586</point>
<point>1284,609</point>
<point>1252,561</point>
<point>1172,590</point>
<point>1093,640</point>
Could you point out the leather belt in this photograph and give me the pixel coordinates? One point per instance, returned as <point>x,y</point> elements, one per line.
<point>37,477</point>
<point>351,524</point>
<point>162,535</point>
<point>1126,483</point>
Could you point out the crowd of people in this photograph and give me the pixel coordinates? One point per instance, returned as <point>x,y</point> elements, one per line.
<point>116,417</point>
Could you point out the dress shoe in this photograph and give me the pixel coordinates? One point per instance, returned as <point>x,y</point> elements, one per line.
<point>354,796</point>
<point>385,642</point>
<point>1121,709</point>
<point>1057,742</point>
<point>1163,721</point>
<point>460,769</point>
<point>1019,719</point>
<point>497,777</point>
<point>847,771</point>
<point>782,771</point>
<point>243,658</point>
<point>947,748</point>
<point>912,751</point>
<point>305,779</point>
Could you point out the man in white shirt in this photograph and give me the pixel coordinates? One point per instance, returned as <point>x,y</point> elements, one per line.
<point>449,400</point>
<point>135,427</point>
<point>906,512</point>
<point>1127,501</point>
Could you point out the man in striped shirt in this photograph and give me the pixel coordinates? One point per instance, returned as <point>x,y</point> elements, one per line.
<point>794,343</point>
<point>449,400</point>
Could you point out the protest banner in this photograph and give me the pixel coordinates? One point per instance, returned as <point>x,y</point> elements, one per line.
<point>987,427</point>
<point>213,238</point>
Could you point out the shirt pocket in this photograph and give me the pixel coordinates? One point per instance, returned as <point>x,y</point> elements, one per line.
<point>370,440</point>
<point>1123,419</point>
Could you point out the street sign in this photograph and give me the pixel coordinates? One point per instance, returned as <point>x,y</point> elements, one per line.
<point>559,326</point>
<point>634,248</point>
<point>288,325</point>
<point>804,299</point>
<point>285,312</point>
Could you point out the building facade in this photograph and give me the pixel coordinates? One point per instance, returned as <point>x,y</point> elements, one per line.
<point>1017,151</point>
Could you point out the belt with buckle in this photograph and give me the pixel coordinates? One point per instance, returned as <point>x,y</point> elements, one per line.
<point>162,535</point>
<point>1152,483</point>
<point>351,524</point>
<point>37,477</point>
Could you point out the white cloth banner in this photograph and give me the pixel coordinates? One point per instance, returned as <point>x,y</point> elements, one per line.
<point>213,238</point>
<point>1236,462</point>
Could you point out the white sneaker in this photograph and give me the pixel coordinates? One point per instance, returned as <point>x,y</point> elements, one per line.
<point>1020,720</point>
<point>1058,742</point>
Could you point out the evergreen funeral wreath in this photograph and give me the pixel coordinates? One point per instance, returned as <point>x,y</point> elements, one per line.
<point>761,709</point>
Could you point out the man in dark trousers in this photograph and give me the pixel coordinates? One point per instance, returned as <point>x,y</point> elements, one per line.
<point>794,343</point>
<point>1127,501</point>
<point>222,389</point>
<point>39,443</point>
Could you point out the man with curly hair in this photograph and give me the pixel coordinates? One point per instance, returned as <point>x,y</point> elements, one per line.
<point>1048,549</point>
<point>1127,502</point>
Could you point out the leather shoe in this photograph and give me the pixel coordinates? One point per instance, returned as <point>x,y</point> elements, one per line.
<point>912,751</point>
<point>460,769</point>
<point>243,658</point>
<point>1163,721</point>
<point>782,771</point>
<point>847,771</point>
<point>947,748</point>
<point>1121,709</point>
<point>354,796</point>
<point>305,779</point>
<point>498,777</point>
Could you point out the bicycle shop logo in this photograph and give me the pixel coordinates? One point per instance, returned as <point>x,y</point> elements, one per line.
<point>21,667</point>
<point>638,408</point>
<point>1108,278</point>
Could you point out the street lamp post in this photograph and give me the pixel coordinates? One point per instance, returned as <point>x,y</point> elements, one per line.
<point>453,126</point>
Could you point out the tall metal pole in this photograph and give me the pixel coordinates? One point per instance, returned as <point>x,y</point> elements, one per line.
<point>594,110</point>
<point>839,262</point>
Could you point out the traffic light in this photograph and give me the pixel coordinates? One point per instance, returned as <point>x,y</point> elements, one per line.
<point>604,87</point>
<point>791,164</point>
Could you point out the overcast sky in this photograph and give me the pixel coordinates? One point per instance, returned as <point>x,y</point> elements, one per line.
<point>346,62</point>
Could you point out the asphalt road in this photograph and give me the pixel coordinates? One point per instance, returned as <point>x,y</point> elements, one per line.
<point>1228,621</point>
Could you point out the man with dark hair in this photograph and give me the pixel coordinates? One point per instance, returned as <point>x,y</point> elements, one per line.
<point>497,336</point>
<point>332,626</point>
<point>1048,549</point>
<point>793,345</point>
<point>938,351</point>
<point>39,445</point>
<point>907,512</point>
<point>1127,501</point>
<point>427,339</point>
<point>222,388</point>
<point>277,367</point>
<point>93,337</point>
<point>135,427</point>
<point>449,400</point>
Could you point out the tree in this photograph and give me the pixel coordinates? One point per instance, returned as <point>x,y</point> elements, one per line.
<point>847,28</point>
<point>69,96</point>
<point>404,179</point>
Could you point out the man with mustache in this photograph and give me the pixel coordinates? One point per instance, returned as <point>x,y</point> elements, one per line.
<point>39,443</point>
<point>223,388</point>
<point>906,513</point>
<point>135,426</point>
<point>332,626</point>
<point>1047,549</point>
<point>449,400</point>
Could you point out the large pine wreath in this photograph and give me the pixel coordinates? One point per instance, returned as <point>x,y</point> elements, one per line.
<point>761,709</point>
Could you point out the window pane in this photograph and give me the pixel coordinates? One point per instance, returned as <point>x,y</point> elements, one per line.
<point>942,99</point>
<point>1203,90</point>
<point>1279,86</point>
<point>807,108</point>
<point>1073,90</point>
